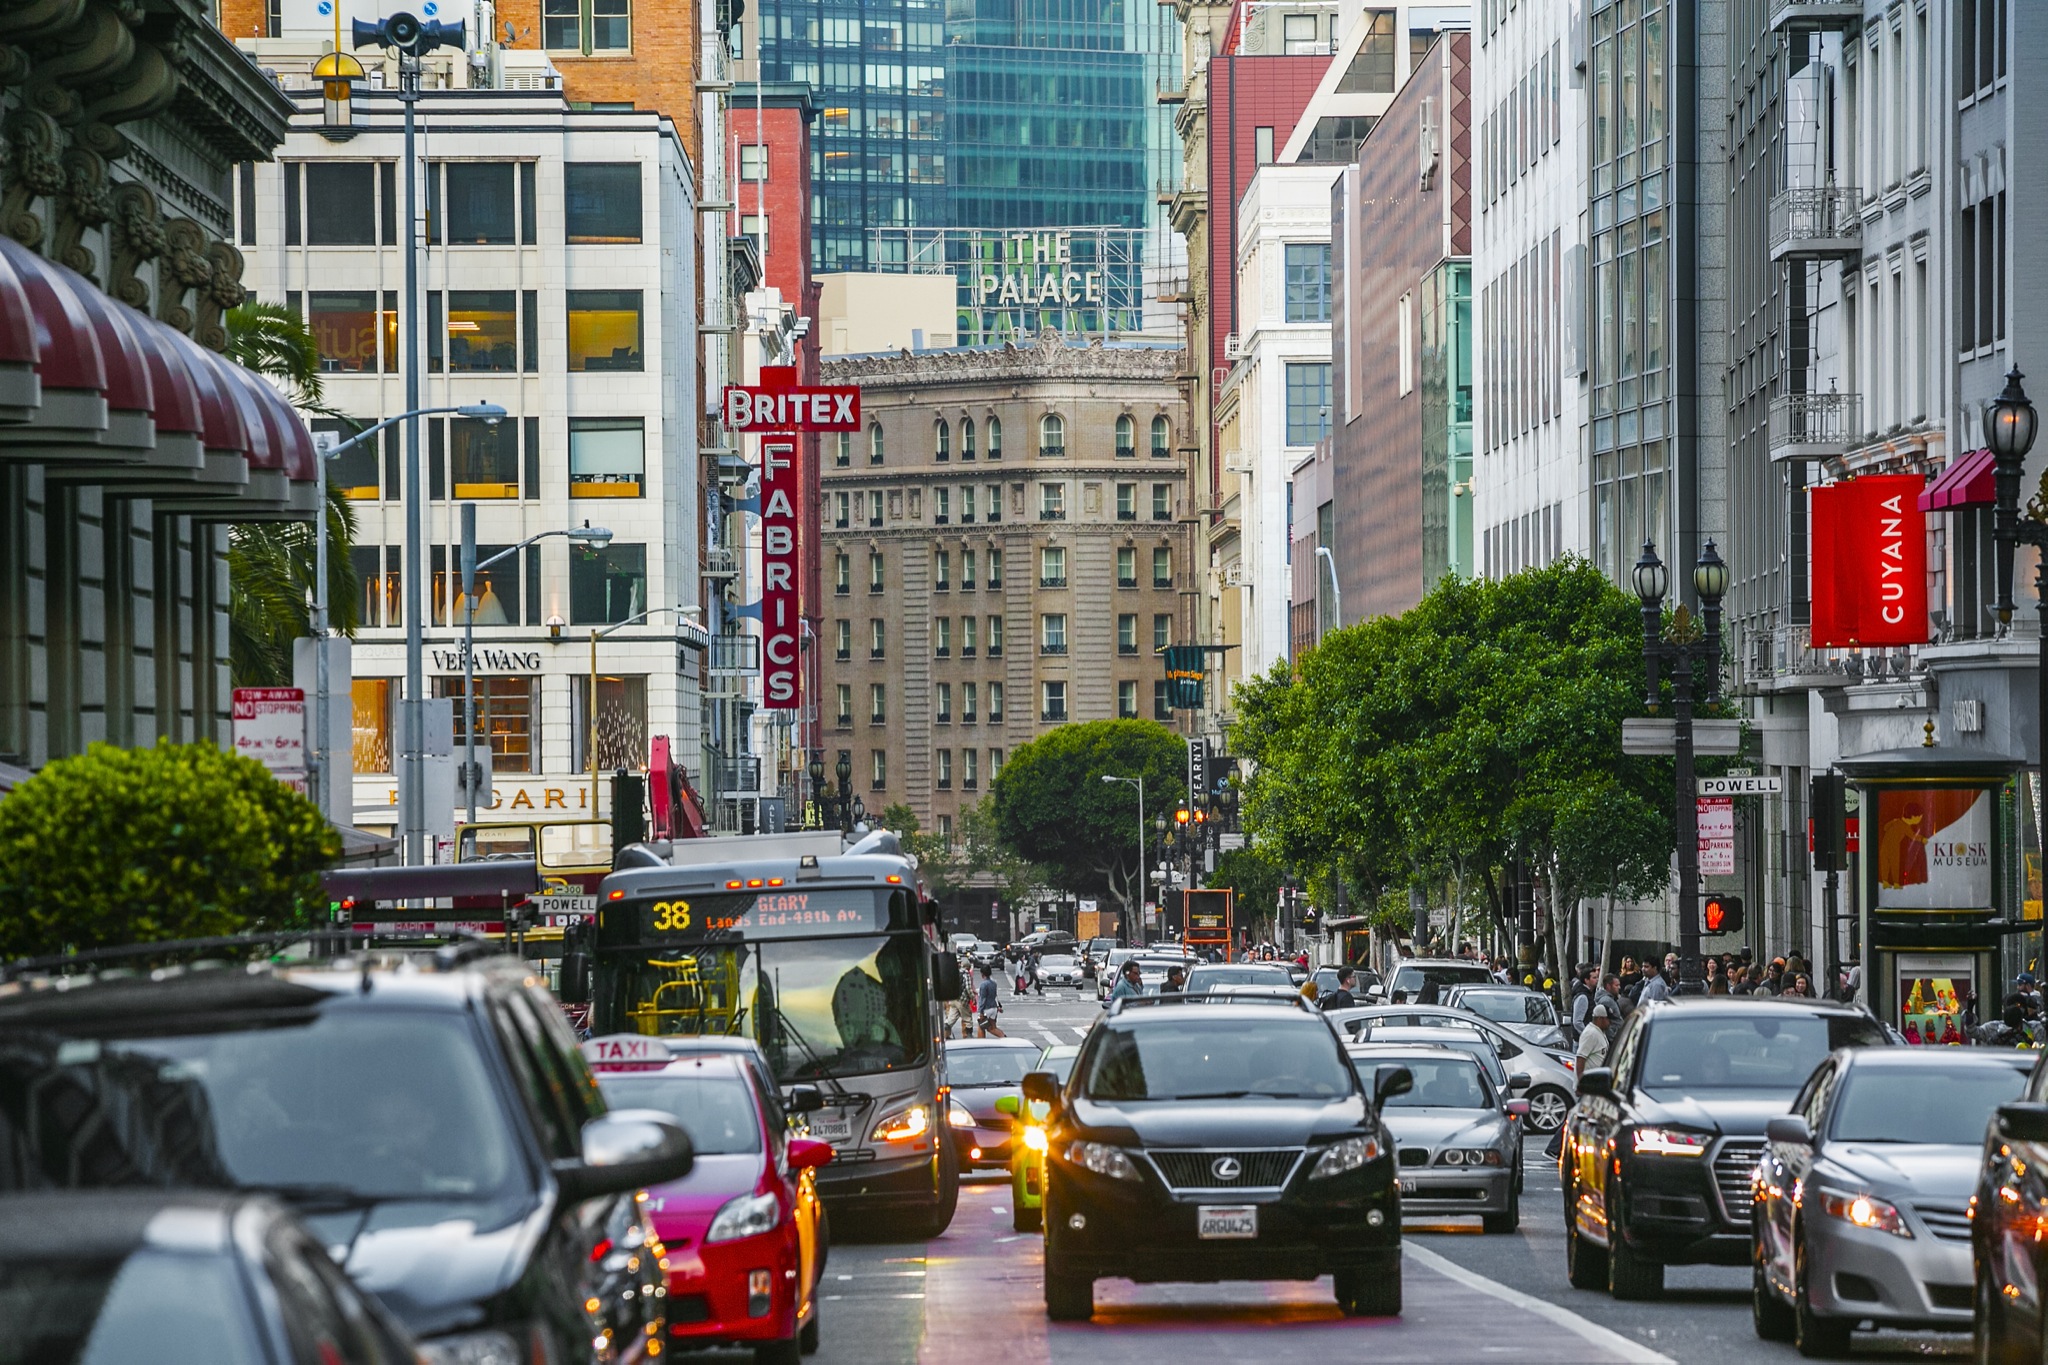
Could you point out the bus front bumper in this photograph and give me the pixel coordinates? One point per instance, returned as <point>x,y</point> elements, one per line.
<point>862,1177</point>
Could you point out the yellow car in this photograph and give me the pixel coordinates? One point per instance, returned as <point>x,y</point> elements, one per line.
<point>1027,1142</point>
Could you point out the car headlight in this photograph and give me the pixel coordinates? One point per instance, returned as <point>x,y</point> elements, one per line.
<point>1670,1142</point>
<point>471,1348</point>
<point>749,1215</point>
<point>1866,1211</point>
<point>905,1124</point>
<point>957,1115</point>
<point>1468,1156</point>
<point>1347,1155</point>
<point>1034,1138</point>
<point>1102,1159</point>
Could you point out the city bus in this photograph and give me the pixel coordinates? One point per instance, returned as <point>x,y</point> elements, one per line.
<point>829,958</point>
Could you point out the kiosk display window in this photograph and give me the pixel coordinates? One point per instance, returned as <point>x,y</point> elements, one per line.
<point>1934,989</point>
<point>1934,848</point>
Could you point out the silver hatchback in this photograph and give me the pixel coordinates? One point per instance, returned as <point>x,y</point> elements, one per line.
<point>1457,1135</point>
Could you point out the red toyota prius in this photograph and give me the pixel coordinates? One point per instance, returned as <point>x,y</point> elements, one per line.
<point>743,1230</point>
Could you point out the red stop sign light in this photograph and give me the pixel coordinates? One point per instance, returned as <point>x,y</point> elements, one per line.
<point>1721,914</point>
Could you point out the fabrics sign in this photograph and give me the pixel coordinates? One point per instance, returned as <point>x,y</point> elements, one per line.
<point>781,617</point>
<point>1869,569</point>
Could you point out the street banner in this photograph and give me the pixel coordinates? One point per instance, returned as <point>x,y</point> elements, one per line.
<point>1717,836</point>
<point>1934,849</point>
<point>781,614</point>
<point>1869,562</point>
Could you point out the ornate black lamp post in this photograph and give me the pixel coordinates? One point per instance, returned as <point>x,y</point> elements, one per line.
<point>2010,425</point>
<point>816,771</point>
<point>844,770</point>
<point>1685,646</point>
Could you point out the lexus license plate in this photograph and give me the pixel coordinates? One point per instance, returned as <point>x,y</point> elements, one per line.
<point>831,1127</point>
<point>1222,1222</point>
<point>1408,1187</point>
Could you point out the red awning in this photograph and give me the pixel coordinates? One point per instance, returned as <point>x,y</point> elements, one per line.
<point>68,351</point>
<point>222,427</point>
<point>263,448</point>
<point>177,395</point>
<point>17,324</point>
<point>1969,481</point>
<point>127,388</point>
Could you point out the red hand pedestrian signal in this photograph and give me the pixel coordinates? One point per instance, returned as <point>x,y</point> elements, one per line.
<point>1721,914</point>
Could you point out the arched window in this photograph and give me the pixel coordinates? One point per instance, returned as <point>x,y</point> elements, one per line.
<point>874,443</point>
<point>842,454</point>
<point>1161,438</point>
<point>995,438</point>
<point>966,438</point>
<point>1052,435</point>
<point>1126,437</point>
<point>942,441</point>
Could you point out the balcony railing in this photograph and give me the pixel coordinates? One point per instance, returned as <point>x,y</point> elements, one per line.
<point>1053,647</point>
<point>1052,514</point>
<point>1127,581</point>
<point>1052,714</point>
<point>1816,224</point>
<point>1126,514</point>
<point>941,651</point>
<point>1126,649</point>
<point>995,651</point>
<point>1126,452</point>
<point>1052,580</point>
<point>1051,452</point>
<point>720,562</point>
<point>1159,582</point>
<point>735,654</point>
<point>1815,426</point>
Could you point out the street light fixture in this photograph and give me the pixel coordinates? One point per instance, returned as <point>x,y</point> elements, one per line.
<point>1686,646</point>
<point>843,769</point>
<point>816,769</point>
<point>2010,426</point>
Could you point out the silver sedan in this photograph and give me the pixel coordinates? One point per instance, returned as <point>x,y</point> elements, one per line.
<point>1862,1195</point>
<point>1458,1138</point>
<point>1552,1084</point>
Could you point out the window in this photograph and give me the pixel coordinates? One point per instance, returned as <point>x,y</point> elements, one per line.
<point>1335,139</point>
<point>601,201</point>
<point>483,458</point>
<point>1126,437</point>
<point>874,509</point>
<point>1162,438</point>
<point>1404,331</point>
<point>874,443</point>
<point>995,503</point>
<point>606,585</point>
<point>1127,701</point>
<point>845,691</point>
<point>347,327</point>
<point>877,629</point>
<point>1052,502</point>
<point>1980,273</point>
<point>354,471</point>
<point>1162,631</point>
<point>1127,633</point>
<point>942,766</point>
<point>341,204</point>
<point>995,709</point>
<point>995,569</point>
<point>371,704</point>
<point>1262,146</point>
<point>607,457</point>
<point>1162,701</point>
<point>841,511</point>
<point>942,570</point>
<point>753,161</point>
<point>1053,701</point>
<point>995,439</point>
<point>1162,566</point>
<point>1052,566</point>
<point>1052,435</point>
<point>1052,633</point>
<point>507,716</point>
<point>482,335</point>
<point>942,697</point>
<point>878,703</point>
<point>874,571</point>
<point>604,329</point>
<point>942,506</point>
<point>967,570</point>
<point>1162,502</point>
<point>942,636</point>
<point>586,26</point>
<point>1308,403</point>
<point>842,450</point>
<point>970,778</point>
<point>842,574</point>
<point>968,627</point>
<point>842,640</point>
<point>1308,281</point>
<point>966,439</point>
<point>621,723</point>
<point>995,637</point>
<point>968,691</point>
<point>995,764</point>
<point>1372,71</point>
<point>1980,44</point>
<point>1126,566</point>
<point>1127,502</point>
<point>1298,36</point>
<point>481,205</point>
<point>878,769</point>
<point>942,441</point>
<point>967,515</point>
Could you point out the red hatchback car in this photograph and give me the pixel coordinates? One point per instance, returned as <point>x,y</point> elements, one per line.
<point>744,1230</point>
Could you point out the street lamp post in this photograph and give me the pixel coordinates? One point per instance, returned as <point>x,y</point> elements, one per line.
<point>1139,783</point>
<point>595,636</point>
<point>1686,647</point>
<point>816,769</point>
<point>2010,425</point>
<point>843,770</point>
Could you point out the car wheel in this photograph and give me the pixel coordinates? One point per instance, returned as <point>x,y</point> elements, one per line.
<point>1507,1220</point>
<point>1585,1264</point>
<point>1992,1335</point>
<point>808,1336</point>
<point>1629,1275</point>
<point>940,1216</point>
<point>1771,1315</point>
<point>1816,1336</point>
<point>1547,1107</point>
<point>1372,1293</point>
<point>1068,1298</point>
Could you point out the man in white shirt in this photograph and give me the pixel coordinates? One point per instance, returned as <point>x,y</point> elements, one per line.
<point>1592,1050</point>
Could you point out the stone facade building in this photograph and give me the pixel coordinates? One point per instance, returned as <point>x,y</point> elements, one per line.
<point>1005,550</point>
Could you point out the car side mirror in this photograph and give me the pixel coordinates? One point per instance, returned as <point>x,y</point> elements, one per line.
<point>1518,1109</point>
<point>1375,993</point>
<point>1518,1082</point>
<point>1789,1128</point>
<point>1041,1087</point>
<point>1598,1081</point>
<point>803,1099</point>
<point>574,987</point>
<point>2023,1122</point>
<point>1390,1081</point>
<point>807,1154</point>
<point>1012,1105</point>
<point>625,1150</point>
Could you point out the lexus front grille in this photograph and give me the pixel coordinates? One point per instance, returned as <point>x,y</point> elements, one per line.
<point>1219,1169</point>
<point>1734,1168</point>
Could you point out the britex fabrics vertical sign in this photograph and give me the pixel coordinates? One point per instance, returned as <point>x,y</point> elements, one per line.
<point>1869,566</point>
<point>781,613</point>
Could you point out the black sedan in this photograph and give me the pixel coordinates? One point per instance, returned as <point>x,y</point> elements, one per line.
<point>2009,1216</point>
<point>179,1278</point>
<point>1659,1150</point>
<point>1230,1142</point>
<point>982,1071</point>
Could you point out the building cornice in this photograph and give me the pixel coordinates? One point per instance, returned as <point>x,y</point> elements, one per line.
<point>1050,358</point>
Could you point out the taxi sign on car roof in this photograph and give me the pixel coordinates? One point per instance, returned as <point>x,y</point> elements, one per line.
<point>625,1049</point>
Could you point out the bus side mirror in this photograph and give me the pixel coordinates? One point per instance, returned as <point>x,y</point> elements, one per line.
<point>928,911</point>
<point>946,976</point>
<point>575,979</point>
<point>803,1099</point>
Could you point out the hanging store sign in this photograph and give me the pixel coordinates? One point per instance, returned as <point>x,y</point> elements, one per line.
<point>1869,569</point>
<point>781,616</point>
<point>752,408</point>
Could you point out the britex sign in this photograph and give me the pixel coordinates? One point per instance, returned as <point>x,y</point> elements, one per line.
<point>751,408</point>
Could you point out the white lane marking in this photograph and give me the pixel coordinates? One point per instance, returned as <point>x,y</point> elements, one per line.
<point>1079,1029</point>
<point>1591,1332</point>
<point>878,1296</point>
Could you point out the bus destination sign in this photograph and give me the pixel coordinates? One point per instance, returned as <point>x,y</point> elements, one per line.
<point>766,914</point>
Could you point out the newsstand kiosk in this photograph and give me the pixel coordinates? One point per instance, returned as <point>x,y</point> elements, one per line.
<point>1936,868</point>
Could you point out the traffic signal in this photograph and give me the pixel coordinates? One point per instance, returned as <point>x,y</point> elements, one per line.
<point>1311,919</point>
<point>1827,802</point>
<point>1721,915</point>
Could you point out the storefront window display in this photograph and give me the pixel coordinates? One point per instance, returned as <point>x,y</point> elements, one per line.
<point>1935,991</point>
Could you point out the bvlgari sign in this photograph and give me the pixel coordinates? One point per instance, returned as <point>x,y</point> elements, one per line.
<point>487,660</point>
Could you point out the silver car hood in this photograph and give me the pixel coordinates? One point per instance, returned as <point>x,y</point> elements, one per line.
<point>1915,1170</point>
<point>1434,1128</point>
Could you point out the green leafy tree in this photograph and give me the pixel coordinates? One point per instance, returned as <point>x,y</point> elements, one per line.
<point>1255,879</point>
<point>976,856</point>
<point>1051,805</point>
<point>139,845</point>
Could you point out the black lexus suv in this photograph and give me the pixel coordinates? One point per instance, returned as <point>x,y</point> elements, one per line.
<point>428,1116</point>
<point>1659,1150</point>
<point>1225,1141</point>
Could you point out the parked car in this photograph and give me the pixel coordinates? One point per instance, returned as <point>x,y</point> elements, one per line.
<point>1532,1014</point>
<point>1457,1134</point>
<point>1422,980</point>
<point>982,1071</point>
<point>1881,1149</point>
<point>1660,1151</point>
<point>1027,1140</point>
<point>1059,969</point>
<point>181,1277</point>
<point>2010,1261</point>
<point>1205,976</point>
<point>429,1114</point>
<point>1232,1142</point>
<point>1552,1074</point>
<point>748,1211</point>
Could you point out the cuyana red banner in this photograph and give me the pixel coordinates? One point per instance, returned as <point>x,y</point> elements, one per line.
<point>1869,562</point>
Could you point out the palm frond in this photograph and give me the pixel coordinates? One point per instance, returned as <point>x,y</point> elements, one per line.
<point>275,342</point>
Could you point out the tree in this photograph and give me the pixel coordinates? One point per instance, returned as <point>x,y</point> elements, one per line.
<point>271,564</point>
<point>1051,805</point>
<point>975,856</point>
<point>1255,879</point>
<point>139,845</point>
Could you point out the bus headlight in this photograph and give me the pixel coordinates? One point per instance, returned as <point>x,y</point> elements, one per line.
<point>905,1124</point>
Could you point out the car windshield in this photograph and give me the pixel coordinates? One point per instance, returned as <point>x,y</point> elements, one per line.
<point>1950,1105</point>
<point>989,1065</point>
<point>1510,1007</point>
<point>1056,962</point>
<point>166,1307</point>
<point>1777,1050</point>
<point>1440,1082</point>
<point>1237,976</point>
<point>1187,1059</point>
<point>716,1110</point>
<point>384,1105</point>
<point>1413,978</point>
<point>1059,1061</point>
